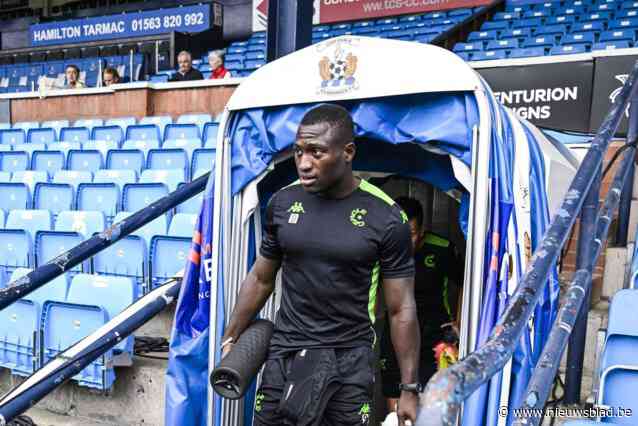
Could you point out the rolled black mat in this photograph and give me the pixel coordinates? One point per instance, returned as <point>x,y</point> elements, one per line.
<point>236,371</point>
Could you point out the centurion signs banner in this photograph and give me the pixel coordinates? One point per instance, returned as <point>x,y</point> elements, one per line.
<point>328,11</point>
<point>549,95</point>
<point>189,19</point>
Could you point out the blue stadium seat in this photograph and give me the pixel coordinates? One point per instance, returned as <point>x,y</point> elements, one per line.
<point>568,49</point>
<point>168,257</point>
<point>44,135</point>
<point>111,133</point>
<point>544,6</point>
<point>12,137</point>
<point>15,252</point>
<point>50,244</point>
<point>611,45</point>
<point>4,126</point>
<point>31,221</point>
<point>2,220</point>
<point>74,134</point>
<point>143,132</point>
<point>169,177</point>
<point>466,56</point>
<point>543,41</point>
<point>136,196</point>
<point>167,159</point>
<point>102,197</point>
<point>199,119</point>
<point>489,55</point>
<point>156,227</point>
<point>527,23</point>
<point>624,14</point>
<point>519,33</point>
<point>64,147</point>
<point>562,20</point>
<point>192,205</point>
<point>482,35</point>
<point>530,14</point>
<point>30,178</point>
<point>581,27</point>
<point>161,121</point>
<point>509,43</point>
<point>617,35</point>
<point>527,52</point>
<point>578,38</point>
<point>628,23</point>
<point>203,159</point>
<point>125,159</point>
<point>182,225</point>
<point>596,16</point>
<point>84,160</point>
<point>210,135</point>
<point>54,68</point>
<point>632,4</point>
<point>128,258</point>
<point>92,301</point>
<point>182,131</point>
<point>89,123</point>
<point>159,78</point>
<point>86,222</point>
<point>15,196</point>
<point>54,197</point>
<point>13,161</point>
<point>72,177</point>
<point>121,122</point>
<point>118,177</point>
<point>262,55</point>
<point>468,47</point>
<point>558,29</point>
<point>47,161</point>
<point>187,145</point>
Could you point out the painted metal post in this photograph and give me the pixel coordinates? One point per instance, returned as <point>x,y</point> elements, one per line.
<point>622,232</point>
<point>575,351</point>
<point>289,27</point>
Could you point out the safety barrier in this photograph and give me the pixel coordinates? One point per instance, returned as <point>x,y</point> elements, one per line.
<point>446,391</point>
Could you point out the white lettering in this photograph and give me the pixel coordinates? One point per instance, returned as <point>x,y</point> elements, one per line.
<point>208,269</point>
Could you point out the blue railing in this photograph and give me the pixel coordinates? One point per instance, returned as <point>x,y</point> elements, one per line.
<point>446,391</point>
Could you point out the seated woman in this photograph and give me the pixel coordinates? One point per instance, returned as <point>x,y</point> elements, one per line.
<point>216,61</point>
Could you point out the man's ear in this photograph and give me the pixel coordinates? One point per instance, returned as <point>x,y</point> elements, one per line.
<point>349,151</point>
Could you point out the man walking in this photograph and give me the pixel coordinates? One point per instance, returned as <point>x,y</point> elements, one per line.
<point>335,237</point>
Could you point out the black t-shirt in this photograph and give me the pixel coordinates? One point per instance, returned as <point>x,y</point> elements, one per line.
<point>436,264</point>
<point>192,74</point>
<point>333,254</point>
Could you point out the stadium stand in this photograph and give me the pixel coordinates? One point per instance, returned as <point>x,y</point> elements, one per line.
<point>554,28</point>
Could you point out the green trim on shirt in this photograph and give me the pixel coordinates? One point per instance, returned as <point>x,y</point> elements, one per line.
<point>370,188</point>
<point>372,298</point>
<point>435,240</point>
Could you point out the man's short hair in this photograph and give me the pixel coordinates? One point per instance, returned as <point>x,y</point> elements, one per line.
<point>75,67</point>
<point>336,116</point>
<point>412,209</point>
<point>185,53</point>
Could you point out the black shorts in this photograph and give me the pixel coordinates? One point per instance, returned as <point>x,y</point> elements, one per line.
<point>348,402</point>
<point>389,366</point>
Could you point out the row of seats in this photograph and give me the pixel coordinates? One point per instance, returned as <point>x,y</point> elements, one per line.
<point>35,166</point>
<point>161,121</point>
<point>553,28</point>
<point>24,77</point>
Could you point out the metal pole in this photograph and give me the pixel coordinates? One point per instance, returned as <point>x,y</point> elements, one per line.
<point>622,233</point>
<point>450,387</point>
<point>289,27</point>
<point>540,384</point>
<point>78,254</point>
<point>575,352</point>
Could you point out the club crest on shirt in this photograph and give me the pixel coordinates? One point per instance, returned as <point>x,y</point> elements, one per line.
<point>356,217</point>
<point>430,261</point>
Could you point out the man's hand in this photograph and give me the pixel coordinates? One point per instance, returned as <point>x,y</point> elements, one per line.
<point>226,348</point>
<point>407,408</point>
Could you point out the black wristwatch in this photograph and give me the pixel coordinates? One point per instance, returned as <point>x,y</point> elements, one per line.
<point>411,387</point>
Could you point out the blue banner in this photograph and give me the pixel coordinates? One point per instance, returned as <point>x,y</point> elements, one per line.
<point>189,19</point>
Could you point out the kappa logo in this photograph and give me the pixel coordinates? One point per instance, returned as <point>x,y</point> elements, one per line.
<point>356,217</point>
<point>364,412</point>
<point>295,210</point>
<point>612,96</point>
<point>337,68</point>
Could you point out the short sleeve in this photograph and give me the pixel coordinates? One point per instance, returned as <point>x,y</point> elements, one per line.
<point>396,259</point>
<point>270,247</point>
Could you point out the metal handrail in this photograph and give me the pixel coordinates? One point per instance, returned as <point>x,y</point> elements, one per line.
<point>83,251</point>
<point>450,387</point>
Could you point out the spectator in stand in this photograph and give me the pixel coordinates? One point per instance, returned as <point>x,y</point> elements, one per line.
<point>186,72</point>
<point>73,81</point>
<point>110,76</point>
<point>216,61</point>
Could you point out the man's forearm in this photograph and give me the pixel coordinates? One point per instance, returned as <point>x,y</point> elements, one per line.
<point>406,340</point>
<point>252,297</point>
